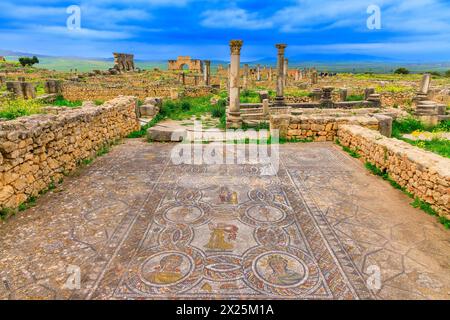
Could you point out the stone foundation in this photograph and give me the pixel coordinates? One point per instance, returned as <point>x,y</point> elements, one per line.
<point>316,127</point>
<point>424,174</point>
<point>38,150</point>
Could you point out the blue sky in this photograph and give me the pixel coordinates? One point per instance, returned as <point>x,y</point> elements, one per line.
<point>413,30</point>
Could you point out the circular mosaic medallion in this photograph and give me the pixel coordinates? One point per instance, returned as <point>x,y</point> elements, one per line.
<point>286,271</point>
<point>167,268</point>
<point>161,271</point>
<point>263,213</point>
<point>183,214</point>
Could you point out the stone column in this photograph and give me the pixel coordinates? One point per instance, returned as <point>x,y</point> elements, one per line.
<point>245,76</point>
<point>258,72</point>
<point>53,86</point>
<point>207,72</point>
<point>234,119</point>
<point>297,75</point>
<point>325,101</point>
<point>29,90</point>
<point>425,83</point>
<point>316,94</point>
<point>286,71</point>
<point>343,92</point>
<point>314,77</point>
<point>266,109</point>
<point>183,78</point>
<point>270,74</point>
<point>15,87</point>
<point>422,94</point>
<point>279,100</point>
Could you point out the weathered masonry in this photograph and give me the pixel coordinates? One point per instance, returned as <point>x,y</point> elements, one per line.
<point>38,150</point>
<point>123,62</point>
<point>182,61</point>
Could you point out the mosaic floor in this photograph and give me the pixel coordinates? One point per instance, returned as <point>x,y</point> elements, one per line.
<point>136,226</point>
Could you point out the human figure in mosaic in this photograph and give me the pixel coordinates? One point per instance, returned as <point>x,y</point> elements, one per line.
<point>280,273</point>
<point>227,196</point>
<point>217,240</point>
<point>168,270</point>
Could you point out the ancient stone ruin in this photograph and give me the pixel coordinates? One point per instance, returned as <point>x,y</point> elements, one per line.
<point>53,86</point>
<point>185,61</point>
<point>21,89</point>
<point>123,62</point>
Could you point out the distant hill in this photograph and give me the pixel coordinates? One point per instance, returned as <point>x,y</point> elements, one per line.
<point>323,62</point>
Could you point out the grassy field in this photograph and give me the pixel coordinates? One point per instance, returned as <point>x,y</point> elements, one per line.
<point>410,125</point>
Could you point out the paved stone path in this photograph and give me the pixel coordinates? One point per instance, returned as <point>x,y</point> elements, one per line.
<point>138,226</point>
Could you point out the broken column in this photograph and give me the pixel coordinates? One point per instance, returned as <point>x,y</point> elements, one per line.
<point>343,92</point>
<point>234,119</point>
<point>279,99</point>
<point>258,72</point>
<point>53,86</point>
<point>316,94</point>
<point>207,72</point>
<point>183,78</point>
<point>15,88</point>
<point>285,71</point>
<point>25,90</point>
<point>266,109</point>
<point>314,77</point>
<point>422,94</point>
<point>297,75</point>
<point>325,101</point>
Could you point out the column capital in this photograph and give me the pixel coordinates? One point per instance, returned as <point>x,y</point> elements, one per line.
<point>281,47</point>
<point>235,46</point>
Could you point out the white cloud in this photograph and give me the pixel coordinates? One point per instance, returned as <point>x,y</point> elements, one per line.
<point>235,18</point>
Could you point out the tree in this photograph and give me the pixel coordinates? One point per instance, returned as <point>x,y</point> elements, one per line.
<point>401,71</point>
<point>26,61</point>
<point>447,73</point>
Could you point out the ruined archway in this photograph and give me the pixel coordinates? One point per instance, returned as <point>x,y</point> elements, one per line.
<point>194,65</point>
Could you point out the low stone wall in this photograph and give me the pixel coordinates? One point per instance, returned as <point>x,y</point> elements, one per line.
<point>39,149</point>
<point>424,174</point>
<point>76,91</point>
<point>316,127</point>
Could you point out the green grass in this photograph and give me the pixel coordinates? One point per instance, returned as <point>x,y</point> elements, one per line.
<point>409,125</point>
<point>249,96</point>
<point>186,108</point>
<point>298,93</point>
<point>352,153</point>
<point>11,109</point>
<point>417,202</point>
<point>355,97</point>
<point>61,102</point>
<point>218,110</point>
<point>438,146</point>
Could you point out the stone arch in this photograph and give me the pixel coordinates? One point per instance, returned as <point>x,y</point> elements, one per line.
<point>194,65</point>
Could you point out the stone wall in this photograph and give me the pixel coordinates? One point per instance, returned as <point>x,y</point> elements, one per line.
<point>83,91</point>
<point>316,127</point>
<point>39,149</point>
<point>424,174</point>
